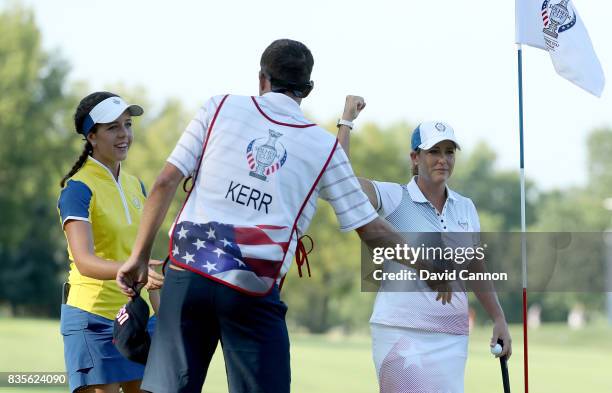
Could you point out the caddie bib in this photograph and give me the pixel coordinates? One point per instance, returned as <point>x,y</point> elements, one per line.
<point>238,225</point>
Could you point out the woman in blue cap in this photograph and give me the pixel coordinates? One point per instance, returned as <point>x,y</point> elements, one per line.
<point>420,338</point>
<point>100,207</point>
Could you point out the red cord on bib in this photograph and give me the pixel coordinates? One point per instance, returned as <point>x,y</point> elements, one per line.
<point>301,255</point>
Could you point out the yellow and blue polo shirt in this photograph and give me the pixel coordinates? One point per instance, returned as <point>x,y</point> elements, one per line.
<point>114,209</point>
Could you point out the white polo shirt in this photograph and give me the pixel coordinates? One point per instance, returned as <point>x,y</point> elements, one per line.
<point>338,184</point>
<point>407,209</point>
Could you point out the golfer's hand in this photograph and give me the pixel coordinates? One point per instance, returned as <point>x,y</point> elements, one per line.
<point>444,289</point>
<point>132,276</point>
<point>155,280</point>
<point>352,107</point>
<point>500,331</point>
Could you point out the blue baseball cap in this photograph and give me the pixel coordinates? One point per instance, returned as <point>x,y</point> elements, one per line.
<point>430,133</point>
<point>130,334</point>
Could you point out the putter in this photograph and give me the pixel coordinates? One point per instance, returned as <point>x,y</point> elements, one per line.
<point>503,363</point>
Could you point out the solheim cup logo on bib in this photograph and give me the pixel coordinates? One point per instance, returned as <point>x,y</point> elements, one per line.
<point>265,157</point>
<point>557,18</point>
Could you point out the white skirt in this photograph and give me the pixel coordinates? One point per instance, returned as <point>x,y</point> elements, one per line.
<point>417,361</point>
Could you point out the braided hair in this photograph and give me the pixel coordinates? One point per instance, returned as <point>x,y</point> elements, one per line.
<point>85,106</point>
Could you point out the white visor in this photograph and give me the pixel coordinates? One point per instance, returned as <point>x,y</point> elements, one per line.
<point>108,111</point>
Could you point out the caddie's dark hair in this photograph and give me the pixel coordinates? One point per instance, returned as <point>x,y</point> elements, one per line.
<point>288,64</point>
<point>82,110</point>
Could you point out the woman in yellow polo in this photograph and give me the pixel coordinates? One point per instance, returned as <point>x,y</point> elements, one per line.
<point>100,207</point>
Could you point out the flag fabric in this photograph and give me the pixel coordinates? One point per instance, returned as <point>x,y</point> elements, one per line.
<point>245,256</point>
<point>556,26</point>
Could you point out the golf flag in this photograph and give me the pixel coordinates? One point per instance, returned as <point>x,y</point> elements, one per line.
<point>555,26</point>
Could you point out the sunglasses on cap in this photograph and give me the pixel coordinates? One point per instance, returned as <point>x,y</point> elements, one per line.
<point>300,90</point>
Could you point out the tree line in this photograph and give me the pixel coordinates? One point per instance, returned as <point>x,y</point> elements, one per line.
<point>39,146</point>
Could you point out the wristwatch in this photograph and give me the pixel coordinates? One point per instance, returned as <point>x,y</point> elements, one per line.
<point>342,122</point>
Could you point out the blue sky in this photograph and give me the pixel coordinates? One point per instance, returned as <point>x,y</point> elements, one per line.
<point>412,60</point>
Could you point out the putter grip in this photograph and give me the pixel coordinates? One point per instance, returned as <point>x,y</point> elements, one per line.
<point>503,363</point>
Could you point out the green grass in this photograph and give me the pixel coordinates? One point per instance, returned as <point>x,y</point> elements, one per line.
<point>561,360</point>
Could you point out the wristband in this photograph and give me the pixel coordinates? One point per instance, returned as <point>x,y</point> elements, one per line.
<point>342,122</point>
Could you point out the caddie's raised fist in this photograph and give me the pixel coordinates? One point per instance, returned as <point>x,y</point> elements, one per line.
<point>352,107</point>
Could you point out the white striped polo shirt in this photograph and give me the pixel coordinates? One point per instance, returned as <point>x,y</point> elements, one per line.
<point>407,209</point>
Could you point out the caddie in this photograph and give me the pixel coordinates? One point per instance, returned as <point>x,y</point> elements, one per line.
<point>258,167</point>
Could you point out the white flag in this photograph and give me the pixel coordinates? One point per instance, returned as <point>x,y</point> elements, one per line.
<point>555,26</point>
